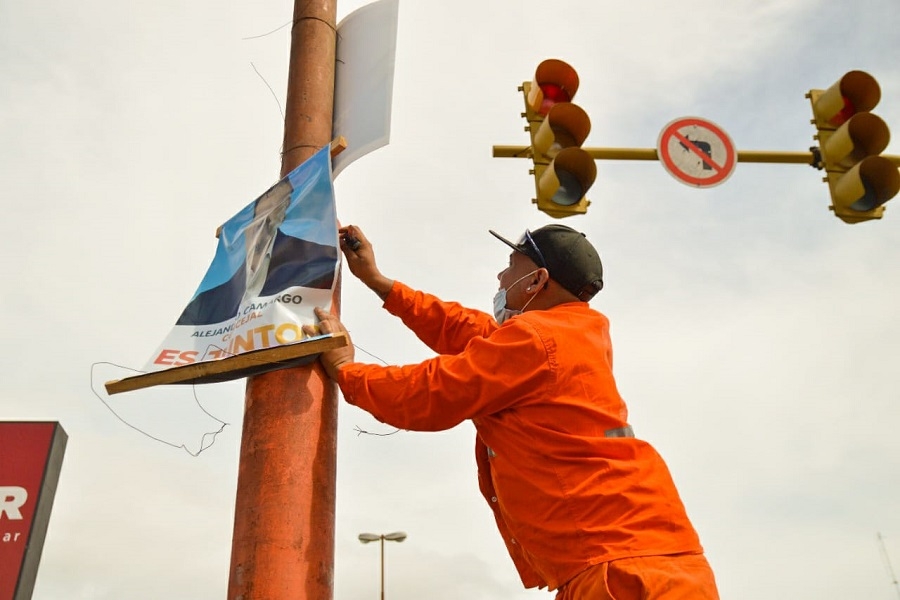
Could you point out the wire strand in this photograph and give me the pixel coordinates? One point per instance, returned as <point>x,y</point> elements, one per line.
<point>887,562</point>
<point>359,430</point>
<point>255,37</point>
<point>203,438</point>
<point>274,95</point>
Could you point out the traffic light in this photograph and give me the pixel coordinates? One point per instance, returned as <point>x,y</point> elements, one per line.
<point>851,140</point>
<point>563,171</point>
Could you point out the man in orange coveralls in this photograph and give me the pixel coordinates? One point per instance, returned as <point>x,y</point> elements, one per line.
<point>583,506</point>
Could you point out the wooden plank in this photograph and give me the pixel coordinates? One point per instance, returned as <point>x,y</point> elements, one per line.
<point>338,145</point>
<point>234,367</point>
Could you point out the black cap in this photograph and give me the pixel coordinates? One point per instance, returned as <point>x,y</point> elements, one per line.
<point>568,256</point>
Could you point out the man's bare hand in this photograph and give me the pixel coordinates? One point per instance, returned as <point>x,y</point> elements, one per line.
<point>360,258</point>
<point>332,360</point>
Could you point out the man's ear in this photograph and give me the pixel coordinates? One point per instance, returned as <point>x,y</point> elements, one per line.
<point>539,279</point>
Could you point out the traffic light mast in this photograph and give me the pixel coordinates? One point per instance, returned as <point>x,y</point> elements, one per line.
<point>851,139</point>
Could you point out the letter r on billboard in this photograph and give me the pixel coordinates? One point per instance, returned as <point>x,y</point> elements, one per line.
<point>11,500</point>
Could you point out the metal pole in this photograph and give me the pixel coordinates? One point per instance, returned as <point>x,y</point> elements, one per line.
<point>754,156</point>
<point>283,542</point>
<point>382,567</point>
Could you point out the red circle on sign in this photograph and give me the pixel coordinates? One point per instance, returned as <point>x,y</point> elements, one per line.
<point>721,168</point>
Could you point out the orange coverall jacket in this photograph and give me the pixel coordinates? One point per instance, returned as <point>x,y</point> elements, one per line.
<point>541,394</point>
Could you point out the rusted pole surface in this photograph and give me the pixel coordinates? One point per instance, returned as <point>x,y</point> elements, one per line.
<point>283,543</point>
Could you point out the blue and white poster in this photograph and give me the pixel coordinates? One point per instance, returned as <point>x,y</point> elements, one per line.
<point>276,260</point>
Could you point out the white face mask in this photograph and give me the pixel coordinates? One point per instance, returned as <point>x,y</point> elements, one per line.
<point>501,313</point>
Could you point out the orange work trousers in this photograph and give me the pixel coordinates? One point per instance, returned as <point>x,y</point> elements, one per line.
<point>673,577</point>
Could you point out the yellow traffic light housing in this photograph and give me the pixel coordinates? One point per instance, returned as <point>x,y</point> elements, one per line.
<point>851,140</point>
<point>563,171</point>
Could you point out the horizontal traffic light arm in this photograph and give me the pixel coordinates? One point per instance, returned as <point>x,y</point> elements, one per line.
<point>749,156</point>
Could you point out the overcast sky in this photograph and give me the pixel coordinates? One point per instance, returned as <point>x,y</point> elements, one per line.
<point>756,336</point>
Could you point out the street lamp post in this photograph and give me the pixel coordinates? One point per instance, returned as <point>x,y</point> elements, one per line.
<point>397,536</point>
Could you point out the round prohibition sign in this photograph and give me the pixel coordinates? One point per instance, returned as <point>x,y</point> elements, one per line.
<point>696,152</point>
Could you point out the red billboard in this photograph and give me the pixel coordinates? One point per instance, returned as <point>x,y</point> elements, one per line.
<point>30,460</point>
